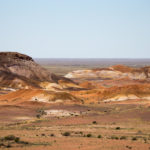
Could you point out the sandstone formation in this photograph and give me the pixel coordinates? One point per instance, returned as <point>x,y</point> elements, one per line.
<point>24,81</point>
<point>116,83</point>
<point>114,72</point>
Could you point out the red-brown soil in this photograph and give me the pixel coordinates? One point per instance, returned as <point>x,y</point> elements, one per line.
<point>132,120</point>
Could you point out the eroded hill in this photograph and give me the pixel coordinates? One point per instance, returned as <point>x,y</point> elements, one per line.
<point>19,71</point>
<point>116,83</point>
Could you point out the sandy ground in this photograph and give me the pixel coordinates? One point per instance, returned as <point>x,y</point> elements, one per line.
<point>110,121</point>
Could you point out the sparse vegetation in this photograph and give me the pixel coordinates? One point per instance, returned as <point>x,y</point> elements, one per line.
<point>38,116</point>
<point>123,138</point>
<point>94,122</point>
<point>81,132</point>
<point>89,135</point>
<point>113,137</point>
<point>129,147</point>
<point>117,128</point>
<point>99,136</point>
<point>145,139</point>
<point>134,138</point>
<point>40,112</point>
<point>43,134</point>
<point>66,134</point>
<point>52,134</point>
<point>17,139</point>
<point>10,138</point>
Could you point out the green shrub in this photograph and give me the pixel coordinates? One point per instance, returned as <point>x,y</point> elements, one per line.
<point>129,147</point>
<point>117,128</point>
<point>81,132</point>
<point>94,122</point>
<point>89,135</point>
<point>42,134</point>
<point>8,145</point>
<point>114,137</point>
<point>38,116</point>
<point>17,139</point>
<point>123,138</point>
<point>23,142</point>
<point>2,144</point>
<point>145,139</point>
<point>66,134</point>
<point>52,134</point>
<point>99,136</point>
<point>134,138</point>
<point>10,137</point>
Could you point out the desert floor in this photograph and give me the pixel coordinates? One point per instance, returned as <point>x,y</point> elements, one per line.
<point>105,126</point>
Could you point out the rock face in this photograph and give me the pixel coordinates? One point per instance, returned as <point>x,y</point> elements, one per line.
<point>20,71</point>
<point>23,65</point>
<point>114,72</point>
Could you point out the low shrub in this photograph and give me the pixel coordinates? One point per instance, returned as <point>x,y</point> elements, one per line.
<point>52,134</point>
<point>66,134</point>
<point>117,128</point>
<point>123,138</point>
<point>99,136</point>
<point>17,139</point>
<point>129,147</point>
<point>38,116</point>
<point>114,137</point>
<point>10,138</point>
<point>89,135</point>
<point>134,138</point>
<point>94,122</point>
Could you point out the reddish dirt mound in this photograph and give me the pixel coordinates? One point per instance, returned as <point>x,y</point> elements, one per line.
<point>29,96</point>
<point>123,68</point>
<point>124,92</point>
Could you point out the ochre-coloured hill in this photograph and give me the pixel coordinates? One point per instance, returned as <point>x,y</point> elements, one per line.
<point>115,93</point>
<point>36,96</point>
<point>30,83</point>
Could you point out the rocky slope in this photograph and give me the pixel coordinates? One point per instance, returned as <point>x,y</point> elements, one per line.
<point>22,81</point>
<point>20,71</point>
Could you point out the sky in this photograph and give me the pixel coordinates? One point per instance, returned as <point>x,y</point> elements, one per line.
<point>76,28</point>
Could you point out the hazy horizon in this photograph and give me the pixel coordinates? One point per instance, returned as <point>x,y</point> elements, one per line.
<point>90,62</point>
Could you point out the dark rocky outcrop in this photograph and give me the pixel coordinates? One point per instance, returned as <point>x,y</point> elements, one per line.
<point>22,69</point>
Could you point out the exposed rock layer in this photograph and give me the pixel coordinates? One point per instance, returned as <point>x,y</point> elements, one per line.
<point>114,72</point>
<point>20,71</point>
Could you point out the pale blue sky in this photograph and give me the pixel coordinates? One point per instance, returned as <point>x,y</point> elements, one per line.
<point>76,28</point>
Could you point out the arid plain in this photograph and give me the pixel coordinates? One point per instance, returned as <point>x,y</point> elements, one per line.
<point>73,105</point>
